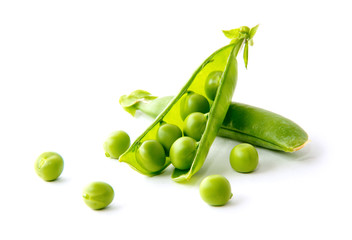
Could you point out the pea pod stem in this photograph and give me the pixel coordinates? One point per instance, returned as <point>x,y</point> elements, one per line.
<point>243,123</point>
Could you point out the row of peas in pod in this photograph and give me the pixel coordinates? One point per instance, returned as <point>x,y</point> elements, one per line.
<point>180,146</point>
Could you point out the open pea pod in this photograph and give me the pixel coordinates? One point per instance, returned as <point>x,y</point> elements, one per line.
<point>223,60</point>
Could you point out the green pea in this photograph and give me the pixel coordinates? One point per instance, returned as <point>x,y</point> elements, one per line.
<point>215,190</point>
<point>194,125</point>
<point>182,153</point>
<point>49,166</point>
<point>167,134</point>
<point>98,195</point>
<point>193,102</point>
<point>116,144</point>
<point>212,84</point>
<point>244,158</point>
<point>151,155</point>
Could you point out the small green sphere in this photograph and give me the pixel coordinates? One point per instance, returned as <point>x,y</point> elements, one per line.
<point>194,125</point>
<point>98,195</point>
<point>167,134</point>
<point>244,158</point>
<point>182,153</point>
<point>49,166</point>
<point>151,155</point>
<point>193,102</point>
<point>215,190</point>
<point>212,84</point>
<point>116,144</point>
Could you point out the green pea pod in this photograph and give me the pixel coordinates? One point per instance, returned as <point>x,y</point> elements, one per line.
<point>243,123</point>
<point>223,60</point>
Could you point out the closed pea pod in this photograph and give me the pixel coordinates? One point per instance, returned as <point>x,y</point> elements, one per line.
<point>243,123</point>
<point>223,60</point>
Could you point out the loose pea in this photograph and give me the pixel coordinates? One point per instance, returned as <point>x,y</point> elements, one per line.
<point>194,125</point>
<point>244,158</point>
<point>215,190</point>
<point>167,134</point>
<point>49,166</point>
<point>193,102</point>
<point>151,155</point>
<point>212,83</point>
<point>98,195</point>
<point>182,153</point>
<point>116,144</point>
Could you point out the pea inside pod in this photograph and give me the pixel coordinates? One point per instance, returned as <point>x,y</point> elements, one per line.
<point>182,153</point>
<point>212,84</point>
<point>151,155</point>
<point>193,102</point>
<point>194,125</point>
<point>167,134</point>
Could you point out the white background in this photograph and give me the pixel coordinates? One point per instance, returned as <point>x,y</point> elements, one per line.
<point>64,65</point>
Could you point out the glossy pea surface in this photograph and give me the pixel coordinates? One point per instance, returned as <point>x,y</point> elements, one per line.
<point>244,158</point>
<point>182,153</point>
<point>194,125</point>
<point>49,166</point>
<point>193,102</point>
<point>116,144</point>
<point>167,134</point>
<point>212,84</point>
<point>98,195</point>
<point>215,190</point>
<point>151,155</point>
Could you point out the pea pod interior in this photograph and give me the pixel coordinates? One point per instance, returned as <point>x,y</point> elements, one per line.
<point>222,60</point>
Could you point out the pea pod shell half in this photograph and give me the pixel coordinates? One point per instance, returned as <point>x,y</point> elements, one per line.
<point>224,60</point>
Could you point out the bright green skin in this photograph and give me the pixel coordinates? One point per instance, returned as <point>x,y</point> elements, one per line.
<point>98,195</point>
<point>215,190</point>
<point>212,84</point>
<point>182,153</point>
<point>167,134</point>
<point>193,102</point>
<point>116,144</point>
<point>49,166</point>
<point>151,155</point>
<point>244,158</point>
<point>194,125</point>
